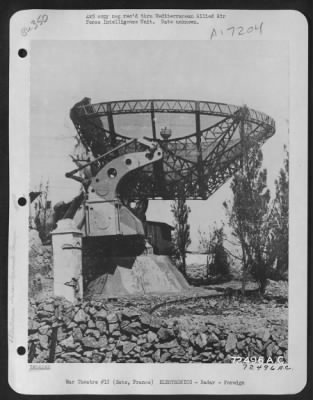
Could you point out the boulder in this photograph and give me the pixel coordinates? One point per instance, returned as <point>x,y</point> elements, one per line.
<point>212,338</point>
<point>91,324</point>
<point>263,334</point>
<point>43,340</point>
<point>43,330</point>
<point>164,357</point>
<point>157,355</point>
<point>145,319</point>
<point>69,343</point>
<point>167,345</point>
<point>112,318</point>
<point>32,326</point>
<point>130,314</point>
<point>128,347</point>
<point>201,340</point>
<point>100,315</point>
<point>49,308</point>
<point>283,344</point>
<point>77,334</point>
<point>80,316</point>
<point>93,332</point>
<point>133,328</point>
<point>90,342</point>
<point>183,338</point>
<point>165,334</point>
<point>101,326</point>
<point>155,324</point>
<point>113,327</point>
<point>152,337</point>
<point>230,342</point>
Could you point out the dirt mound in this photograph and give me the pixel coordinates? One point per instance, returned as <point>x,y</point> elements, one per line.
<point>149,274</point>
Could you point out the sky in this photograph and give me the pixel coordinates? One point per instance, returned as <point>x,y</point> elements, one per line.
<point>254,73</point>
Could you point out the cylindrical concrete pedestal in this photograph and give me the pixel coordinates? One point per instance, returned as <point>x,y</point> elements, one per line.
<point>67,260</point>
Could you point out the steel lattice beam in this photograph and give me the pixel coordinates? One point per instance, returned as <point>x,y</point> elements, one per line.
<point>194,165</point>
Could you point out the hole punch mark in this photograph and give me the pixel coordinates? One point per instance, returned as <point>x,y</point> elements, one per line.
<point>21,350</point>
<point>21,201</point>
<point>22,53</point>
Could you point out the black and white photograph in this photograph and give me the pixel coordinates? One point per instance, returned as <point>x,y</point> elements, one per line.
<point>158,227</point>
<point>159,205</point>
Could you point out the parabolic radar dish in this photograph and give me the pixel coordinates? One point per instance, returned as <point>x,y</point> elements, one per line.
<point>203,142</point>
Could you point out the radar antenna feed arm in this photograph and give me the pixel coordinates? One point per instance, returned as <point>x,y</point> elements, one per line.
<point>72,173</point>
<point>137,160</point>
<point>107,179</point>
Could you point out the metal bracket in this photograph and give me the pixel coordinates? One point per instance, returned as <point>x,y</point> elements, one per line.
<point>71,247</point>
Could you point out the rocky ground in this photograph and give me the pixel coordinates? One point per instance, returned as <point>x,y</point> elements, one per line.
<point>207,325</point>
<point>203,330</point>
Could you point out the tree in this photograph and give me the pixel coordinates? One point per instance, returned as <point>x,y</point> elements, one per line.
<point>181,237</point>
<point>43,212</point>
<point>214,244</point>
<point>280,231</point>
<point>249,217</point>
